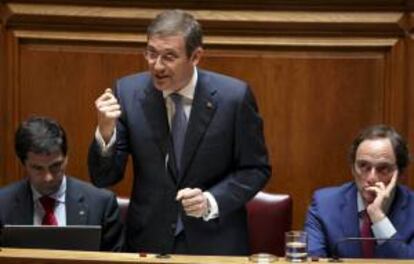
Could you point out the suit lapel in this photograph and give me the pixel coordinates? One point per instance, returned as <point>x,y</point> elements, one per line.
<point>76,207</point>
<point>23,205</point>
<point>202,111</point>
<point>350,223</point>
<point>153,106</point>
<point>155,112</point>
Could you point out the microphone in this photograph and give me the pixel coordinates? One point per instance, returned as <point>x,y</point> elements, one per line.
<point>336,258</point>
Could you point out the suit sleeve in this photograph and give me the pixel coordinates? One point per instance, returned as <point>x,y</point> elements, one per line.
<point>112,228</point>
<point>251,168</point>
<point>106,170</point>
<point>396,247</point>
<point>401,244</point>
<point>317,245</point>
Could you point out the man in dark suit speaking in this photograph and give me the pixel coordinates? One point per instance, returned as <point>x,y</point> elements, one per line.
<point>196,141</point>
<point>372,216</point>
<point>47,196</point>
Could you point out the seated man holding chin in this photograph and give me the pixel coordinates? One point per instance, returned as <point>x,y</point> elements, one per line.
<point>372,216</point>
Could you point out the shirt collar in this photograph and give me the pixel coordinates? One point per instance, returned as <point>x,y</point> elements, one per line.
<point>188,90</point>
<point>58,196</point>
<point>360,203</point>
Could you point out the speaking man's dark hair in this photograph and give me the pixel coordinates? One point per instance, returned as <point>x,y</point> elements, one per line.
<point>175,22</point>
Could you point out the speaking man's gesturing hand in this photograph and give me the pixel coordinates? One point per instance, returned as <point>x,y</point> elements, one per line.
<point>108,111</point>
<point>194,201</point>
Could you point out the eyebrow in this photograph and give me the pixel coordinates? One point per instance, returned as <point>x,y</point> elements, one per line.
<point>168,50</point>
<point>376,163</point>
<point>59,162</point>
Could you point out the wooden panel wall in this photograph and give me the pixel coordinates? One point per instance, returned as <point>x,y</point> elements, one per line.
<point>320,72</point>
<point>409,73</point>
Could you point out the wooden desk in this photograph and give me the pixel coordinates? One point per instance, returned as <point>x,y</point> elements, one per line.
<point>41,256</point>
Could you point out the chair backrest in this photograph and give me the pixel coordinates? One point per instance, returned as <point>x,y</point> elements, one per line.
<point>269,217</point>
<point>123,204</point>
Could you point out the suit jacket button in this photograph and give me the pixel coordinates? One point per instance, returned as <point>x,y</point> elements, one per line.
<point>173,226</point>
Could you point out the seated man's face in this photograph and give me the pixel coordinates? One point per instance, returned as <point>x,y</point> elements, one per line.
<point>375,162</point>
<point>45,171</point>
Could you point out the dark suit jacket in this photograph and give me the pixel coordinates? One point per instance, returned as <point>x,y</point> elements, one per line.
<point>224,153</point>
<point>85,205</point>
<point>333,217</point>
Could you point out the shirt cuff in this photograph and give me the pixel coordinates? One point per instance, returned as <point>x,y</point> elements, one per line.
<point>212,211</point>
<point>383,229</point>
<point>106,148</point>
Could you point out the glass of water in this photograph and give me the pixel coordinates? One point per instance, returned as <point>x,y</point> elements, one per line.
<point>296,246</point>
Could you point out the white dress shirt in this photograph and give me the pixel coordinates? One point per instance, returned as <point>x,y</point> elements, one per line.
<point>60,207</point>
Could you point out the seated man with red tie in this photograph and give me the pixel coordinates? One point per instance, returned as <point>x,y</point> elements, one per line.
<point>372,216</point>
<point>47,196</point>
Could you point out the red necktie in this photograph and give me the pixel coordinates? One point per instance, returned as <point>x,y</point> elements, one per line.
<point>367,245</point>
<point>49,206</point>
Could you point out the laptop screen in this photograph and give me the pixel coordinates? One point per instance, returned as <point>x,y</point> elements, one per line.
<point>73,237</point>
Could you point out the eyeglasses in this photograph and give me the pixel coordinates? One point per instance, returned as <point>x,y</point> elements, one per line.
<point>166,58</point>
<point>363,167</point>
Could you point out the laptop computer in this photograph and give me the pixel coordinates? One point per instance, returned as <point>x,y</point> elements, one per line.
<point>73,237</point>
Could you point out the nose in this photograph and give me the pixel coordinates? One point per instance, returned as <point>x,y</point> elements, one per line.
<point>372,176</point>
<point>158,64</point>
<point>48,176</point>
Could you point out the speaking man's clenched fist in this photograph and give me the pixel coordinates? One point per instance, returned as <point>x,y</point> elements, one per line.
<point>108,111</point>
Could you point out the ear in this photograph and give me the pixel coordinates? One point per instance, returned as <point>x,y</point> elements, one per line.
<point>196,56</point>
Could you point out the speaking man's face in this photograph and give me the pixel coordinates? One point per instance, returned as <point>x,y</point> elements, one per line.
<point>170,67</point>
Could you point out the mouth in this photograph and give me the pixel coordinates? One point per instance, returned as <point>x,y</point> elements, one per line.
<point>160,77</point>
<point>369,193</point>
<point>365,188</point>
